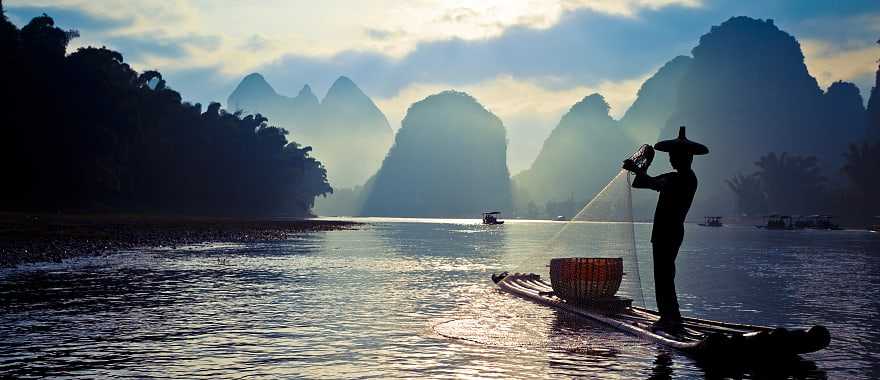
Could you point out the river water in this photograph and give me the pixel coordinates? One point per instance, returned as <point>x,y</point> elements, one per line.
<point>413,298</point>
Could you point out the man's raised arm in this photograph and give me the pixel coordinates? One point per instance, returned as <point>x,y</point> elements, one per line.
<point>645,181</point>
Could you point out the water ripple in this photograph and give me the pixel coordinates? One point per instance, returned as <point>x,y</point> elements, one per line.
<point>400,300</point>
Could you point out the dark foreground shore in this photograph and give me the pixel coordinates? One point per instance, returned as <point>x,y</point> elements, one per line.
<point>36,238</point>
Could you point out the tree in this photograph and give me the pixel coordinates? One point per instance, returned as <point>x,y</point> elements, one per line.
<point>784,183</point>
<point>532,210</point>
<point>792,184</point>
<point>862,166</point>
<point>750,197</point>
<point>41,37</point>
<point>90,133</point>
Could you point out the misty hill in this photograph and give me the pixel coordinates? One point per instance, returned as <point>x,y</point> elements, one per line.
<point>255,95</point>
<point>579,157</point>
<point>354,134</point>
<point>349,134</point>
<point>655,102</point>
<point>873,111</point>
<point>746,93</point>
<point>449,159</point>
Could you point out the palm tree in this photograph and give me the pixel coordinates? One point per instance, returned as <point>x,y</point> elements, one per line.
<point>861,167</point>
<point>750,197</point>
<point>792,184</point>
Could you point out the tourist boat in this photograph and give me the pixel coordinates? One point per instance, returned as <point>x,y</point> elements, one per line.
<point>816,222</point>
<point>712,221</point>
<point>777,222</point>
<point>703,339</point>
<point>492,217</point>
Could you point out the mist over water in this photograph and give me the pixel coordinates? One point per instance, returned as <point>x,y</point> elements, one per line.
<point>373,303</point>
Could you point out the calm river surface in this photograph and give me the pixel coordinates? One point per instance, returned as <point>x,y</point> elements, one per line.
<point>382,302</point>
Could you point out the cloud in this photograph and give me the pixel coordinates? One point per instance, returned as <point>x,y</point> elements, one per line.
<point>527,60</point>
<point>583,49</point>
<point>257,43</point>
<point>383,34</point>
<point>628,8</point>
<point>320,30</point>
<point>68,18</point>
<point>845,30</point>
<point>459,15</point>
<point>529,111</point>
<point>140,48</point>
<point>830,63</point>
<point>838,41</point>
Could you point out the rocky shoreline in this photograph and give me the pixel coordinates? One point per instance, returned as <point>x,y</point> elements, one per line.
<point>26,238</point>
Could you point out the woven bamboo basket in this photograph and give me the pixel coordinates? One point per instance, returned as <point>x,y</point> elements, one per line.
<point>585,279</point>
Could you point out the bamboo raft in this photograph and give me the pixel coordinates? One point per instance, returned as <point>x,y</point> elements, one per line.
<point>699,337</point>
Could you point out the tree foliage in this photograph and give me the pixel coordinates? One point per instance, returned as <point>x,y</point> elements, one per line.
<point>862,166</point>
<point>750,197</point>
<point>784,183</point>
<point>85,131</point>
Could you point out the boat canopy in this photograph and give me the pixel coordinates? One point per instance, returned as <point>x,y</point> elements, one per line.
<point>492,213</point>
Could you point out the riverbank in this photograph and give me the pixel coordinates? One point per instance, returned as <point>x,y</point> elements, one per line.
<point>27,238</point>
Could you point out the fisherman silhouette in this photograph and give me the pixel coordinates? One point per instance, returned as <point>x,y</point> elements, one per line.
<point>677,191</point>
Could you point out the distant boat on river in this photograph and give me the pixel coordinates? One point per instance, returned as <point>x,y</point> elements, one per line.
<point>777,222</point>
<point>812,222</point>
<point>492,217</point>
<point>816,222</point>
<point>712,221</point>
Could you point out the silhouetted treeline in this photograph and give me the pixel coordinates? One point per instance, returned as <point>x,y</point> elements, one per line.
<point>784,183</point>
<point>794,184</point>
<point>85,132</point>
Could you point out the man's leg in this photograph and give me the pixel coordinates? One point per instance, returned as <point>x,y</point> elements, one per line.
<point>664,282</point>
<point>661,278</point>
<point>673,311</point>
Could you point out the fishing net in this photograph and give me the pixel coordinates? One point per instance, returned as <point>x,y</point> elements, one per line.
<point>602,228</point>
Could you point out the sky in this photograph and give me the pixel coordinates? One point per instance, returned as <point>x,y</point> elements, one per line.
<point>527,61</point>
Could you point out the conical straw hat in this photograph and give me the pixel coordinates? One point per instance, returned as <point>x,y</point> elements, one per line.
<point>681,144</point>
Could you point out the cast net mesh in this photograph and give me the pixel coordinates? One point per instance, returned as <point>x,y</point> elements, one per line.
<point>602,228</point>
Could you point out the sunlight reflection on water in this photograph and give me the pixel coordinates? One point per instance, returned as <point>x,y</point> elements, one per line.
<point>384,300</point>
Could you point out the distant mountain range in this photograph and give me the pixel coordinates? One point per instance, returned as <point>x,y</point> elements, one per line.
<point>656,100</point>
<point>586,148</point>
<point>745,92</point>
<point>581,155</point>
<point>873,110</point>
<point>449,159</point>
<point>349,134</point>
